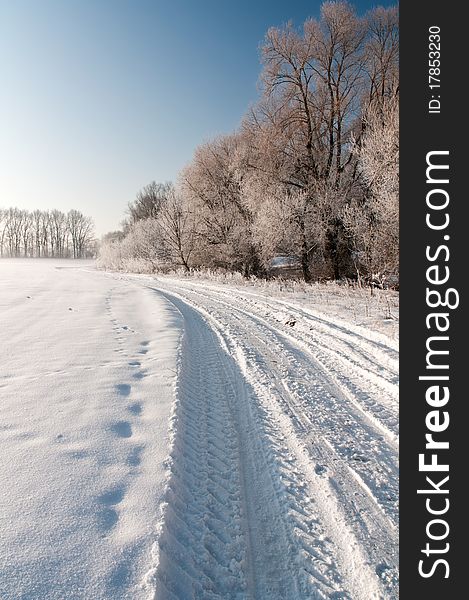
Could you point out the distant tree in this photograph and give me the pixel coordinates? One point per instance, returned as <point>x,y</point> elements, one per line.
<point>148,202</point>
<point>81,232</point>
<point>45,234</point>
<point>3,230</point>
<point>58,231</point>
<point>14,230</point>
<point>113,236</point>
<point>37,224</point>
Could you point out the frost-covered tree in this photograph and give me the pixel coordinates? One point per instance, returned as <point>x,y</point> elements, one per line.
<point>45,234</point>
<point>381,54</point>
<point>212,185</point>
<point>148,202</point>
<point>373,221</point>
<point>302,127</point>
<point>312,171</point>
<point>143,244</point>
<point>140,249</point>
<point>178,229</point>
<point>318,86</point>
<point>81,233</point>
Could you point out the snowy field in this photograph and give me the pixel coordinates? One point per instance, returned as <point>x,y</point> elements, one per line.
<point>170,438</point>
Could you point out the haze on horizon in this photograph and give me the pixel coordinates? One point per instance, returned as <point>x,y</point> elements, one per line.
<point>100,98</point>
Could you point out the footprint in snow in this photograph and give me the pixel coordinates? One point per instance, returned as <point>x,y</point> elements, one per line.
<point>320,469</point>
<point>123,429</point>
<point>112,496</point>
<point>108,517</point>
<point>120,576</point>
<point>136,408</point>
<point>123,389</point>
<point>135,363</point>
<point>134,458</point>
<point>144,348</point>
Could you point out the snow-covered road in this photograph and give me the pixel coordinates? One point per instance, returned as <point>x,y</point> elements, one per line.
<point>166,438</point>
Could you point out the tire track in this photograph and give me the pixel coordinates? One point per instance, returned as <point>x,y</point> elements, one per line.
<point>232,510</point>
<point>341,458</point>
<point>372,399</point>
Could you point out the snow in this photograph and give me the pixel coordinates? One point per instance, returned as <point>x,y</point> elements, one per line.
<point>181,438</point>
<point>88,368</point>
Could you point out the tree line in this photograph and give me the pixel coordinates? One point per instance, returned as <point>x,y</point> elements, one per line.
<point>311,174</point>
<point>46,234</point>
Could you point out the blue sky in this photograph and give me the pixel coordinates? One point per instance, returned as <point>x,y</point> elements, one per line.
<point>99,97</point>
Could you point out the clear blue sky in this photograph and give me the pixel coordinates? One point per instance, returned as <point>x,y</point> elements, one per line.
<point>99,97</point>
